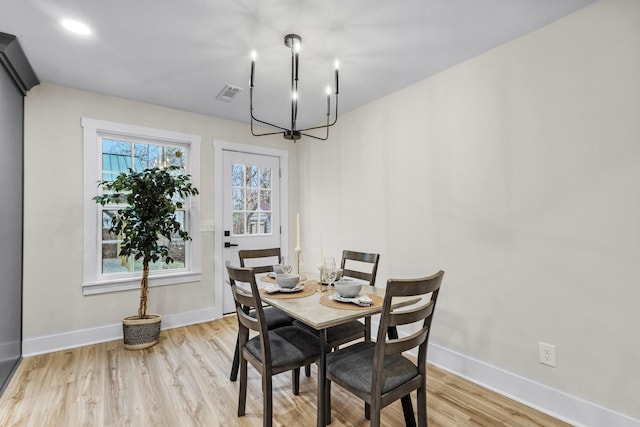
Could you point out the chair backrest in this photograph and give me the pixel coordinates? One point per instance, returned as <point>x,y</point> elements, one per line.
<point>421,311</point>
<point>261,260</point>
<point>352,260</point>
<point>247,299</point>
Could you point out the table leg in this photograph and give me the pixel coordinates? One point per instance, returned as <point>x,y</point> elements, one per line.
<point>322,376</point>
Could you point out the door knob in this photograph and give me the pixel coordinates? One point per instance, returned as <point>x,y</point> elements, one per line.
<point>229,244</point>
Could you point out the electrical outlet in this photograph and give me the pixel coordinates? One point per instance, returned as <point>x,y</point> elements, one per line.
<point>547,354</point>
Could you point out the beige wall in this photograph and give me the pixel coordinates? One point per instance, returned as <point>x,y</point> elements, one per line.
<point>517,173</point>
<point>53,300</point>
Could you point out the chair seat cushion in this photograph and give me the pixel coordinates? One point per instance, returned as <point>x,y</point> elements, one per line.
<point>354,329</point>
<point>354,366</point>
<point>275,318</point>
<point>289,345</point>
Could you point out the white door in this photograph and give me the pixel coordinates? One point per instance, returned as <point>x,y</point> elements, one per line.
<point>250,208</point>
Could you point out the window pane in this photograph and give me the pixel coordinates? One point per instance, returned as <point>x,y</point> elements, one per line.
<point>237,202</point>
<point>265,223</point>
<point>252,200</point>
<point>146,156</point>
<point>111,262</point>
<point>252,177</point>
<point>265,177</point>
<point>265,200</point>
<point>237,175</point>
<point>116,158</point>
<point>177,252</point>
<point>172,156</point>
<point>238,223</point>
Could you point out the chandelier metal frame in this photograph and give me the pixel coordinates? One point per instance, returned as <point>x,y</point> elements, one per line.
<point>293,41</point>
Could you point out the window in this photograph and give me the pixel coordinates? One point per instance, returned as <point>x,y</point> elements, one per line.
<point>111,148</point>
<point>251,195</point>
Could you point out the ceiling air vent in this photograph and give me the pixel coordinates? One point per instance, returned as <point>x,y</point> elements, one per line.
<point>228,93</point>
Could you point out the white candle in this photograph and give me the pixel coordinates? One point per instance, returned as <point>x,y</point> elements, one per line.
<point>298,230</point>
<point>321,256</point>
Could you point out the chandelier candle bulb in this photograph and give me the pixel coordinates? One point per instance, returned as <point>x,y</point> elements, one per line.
<point>321,256</point>
<point>298,230</point>
<point>337,67</point>
<point>253,66</point>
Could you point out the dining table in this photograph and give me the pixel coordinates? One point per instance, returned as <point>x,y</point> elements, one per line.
<point>314,306</point>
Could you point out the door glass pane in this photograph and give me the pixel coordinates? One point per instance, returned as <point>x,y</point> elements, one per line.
<point>251,199</point>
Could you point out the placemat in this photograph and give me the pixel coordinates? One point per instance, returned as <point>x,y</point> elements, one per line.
<point>325,300</point>
<point>308,290</point>
<point>268,279</point>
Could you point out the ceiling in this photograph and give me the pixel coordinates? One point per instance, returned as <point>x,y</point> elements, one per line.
<point>181,54</point>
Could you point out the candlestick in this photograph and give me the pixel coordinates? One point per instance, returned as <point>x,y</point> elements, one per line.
<point>321,256</point>
<point>298,255</point>
<point>298,230</point>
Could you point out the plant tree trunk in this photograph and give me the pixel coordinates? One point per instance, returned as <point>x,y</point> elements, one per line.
<point>144,291</point>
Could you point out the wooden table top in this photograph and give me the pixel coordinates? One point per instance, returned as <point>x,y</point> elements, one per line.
<point>310,311</point>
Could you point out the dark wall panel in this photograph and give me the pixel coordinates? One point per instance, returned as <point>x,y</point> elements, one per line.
<point>16,78</point>
<point>11,149</point>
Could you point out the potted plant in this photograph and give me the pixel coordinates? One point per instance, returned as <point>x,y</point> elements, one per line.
<point>144,227</point>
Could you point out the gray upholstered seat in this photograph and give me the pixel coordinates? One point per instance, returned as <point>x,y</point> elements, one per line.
<point>288,344</point>
<point>354,367</point>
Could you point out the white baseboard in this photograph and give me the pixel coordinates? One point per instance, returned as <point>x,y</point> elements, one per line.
<point>558,404</point>
<point>32,346</point>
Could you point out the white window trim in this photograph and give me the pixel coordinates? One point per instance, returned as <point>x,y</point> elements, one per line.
<point>92,283</point>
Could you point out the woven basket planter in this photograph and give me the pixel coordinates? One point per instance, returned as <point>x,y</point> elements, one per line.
<point>141,333</point>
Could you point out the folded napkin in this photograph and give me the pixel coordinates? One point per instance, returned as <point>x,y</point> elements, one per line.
<point>362,300</point>
<point>270,289</point>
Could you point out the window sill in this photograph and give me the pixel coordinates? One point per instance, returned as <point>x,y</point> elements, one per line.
<point>129,283</point>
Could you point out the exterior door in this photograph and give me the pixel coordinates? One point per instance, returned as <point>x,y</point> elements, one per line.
<point>250,208</point>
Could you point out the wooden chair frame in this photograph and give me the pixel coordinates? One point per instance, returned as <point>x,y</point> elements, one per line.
<point>386,346</point>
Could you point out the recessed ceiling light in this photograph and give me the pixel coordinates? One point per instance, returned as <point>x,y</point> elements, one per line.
<point>76,27</point>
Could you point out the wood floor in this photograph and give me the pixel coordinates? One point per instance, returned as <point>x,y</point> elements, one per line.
<point>184,381</point>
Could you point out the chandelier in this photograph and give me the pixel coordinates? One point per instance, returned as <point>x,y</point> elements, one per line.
<point>293,41</point>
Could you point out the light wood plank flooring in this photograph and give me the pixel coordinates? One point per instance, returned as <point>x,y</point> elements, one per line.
<point>184,381</point>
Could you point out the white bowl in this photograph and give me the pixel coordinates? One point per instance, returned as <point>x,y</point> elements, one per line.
<point>348,288</point>
<point>287,280</point>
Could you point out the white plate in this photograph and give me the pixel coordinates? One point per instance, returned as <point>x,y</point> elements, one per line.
<point>294,289</point>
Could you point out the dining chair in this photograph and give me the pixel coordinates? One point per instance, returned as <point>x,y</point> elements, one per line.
<point>362,266</point>
<point>271,351</point>
<point>265,260</point>
<point>378,372</point>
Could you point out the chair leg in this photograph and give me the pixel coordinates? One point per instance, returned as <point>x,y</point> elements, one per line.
<point>295,381</point>
<point>267,400</point>
<point>367,411</point>
<point>327,399</point>
<point>236,361</point>
<point>242,396</point>
<point>307,370</point>
<point>407,409</point>
<point>375,414</point>
<point>422,407</point>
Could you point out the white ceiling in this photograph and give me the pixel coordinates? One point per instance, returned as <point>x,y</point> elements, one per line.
<point>180,54</point>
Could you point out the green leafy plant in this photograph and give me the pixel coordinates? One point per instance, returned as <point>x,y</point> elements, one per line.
<point>152,197</point>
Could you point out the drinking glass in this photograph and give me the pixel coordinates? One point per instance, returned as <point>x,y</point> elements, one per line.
<point>286,264</point>
<point>329,270</point>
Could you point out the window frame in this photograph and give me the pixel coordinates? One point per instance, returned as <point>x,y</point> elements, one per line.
<point>93,282</point>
